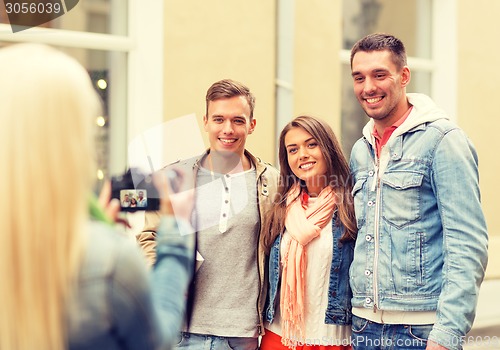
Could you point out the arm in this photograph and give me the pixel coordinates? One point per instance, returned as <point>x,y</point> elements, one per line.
<point>174,265</point>
<point>171,275</point>
<point>147,310</point>
<point>455,182</point>
<point>179,204</point>
<point>133,316</point>
<point>147,238</point>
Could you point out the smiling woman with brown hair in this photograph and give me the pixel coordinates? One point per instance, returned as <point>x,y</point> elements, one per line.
<point>310,236</point>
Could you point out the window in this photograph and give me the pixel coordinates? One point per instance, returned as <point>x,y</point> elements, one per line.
<point>120,42</point>
<point>428,30</point>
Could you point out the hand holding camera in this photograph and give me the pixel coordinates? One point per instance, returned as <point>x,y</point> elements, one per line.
<point>109,208</point>
<point>168,190</point>
<point>176,196</point>
<point>135,191</point>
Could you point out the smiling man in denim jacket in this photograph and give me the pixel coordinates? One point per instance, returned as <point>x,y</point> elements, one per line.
<point>421,250</point>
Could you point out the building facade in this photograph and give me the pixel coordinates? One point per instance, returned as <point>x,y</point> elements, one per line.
<point>157,59</point>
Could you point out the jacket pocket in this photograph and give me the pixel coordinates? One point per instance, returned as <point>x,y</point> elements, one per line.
<point>359,195</point>
<point>415,259</point>
<point>401,198</point>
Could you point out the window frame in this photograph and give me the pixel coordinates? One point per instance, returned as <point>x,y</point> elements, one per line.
<point>443,64</point>
<point>142,69</point>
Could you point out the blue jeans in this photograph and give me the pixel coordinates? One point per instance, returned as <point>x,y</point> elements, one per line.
<point>368,335</point>
<point>194,341</point>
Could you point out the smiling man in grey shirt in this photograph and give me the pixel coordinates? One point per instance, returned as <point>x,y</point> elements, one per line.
<point>233,190</point>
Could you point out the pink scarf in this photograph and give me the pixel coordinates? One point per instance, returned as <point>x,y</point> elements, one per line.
<point>304,224</point>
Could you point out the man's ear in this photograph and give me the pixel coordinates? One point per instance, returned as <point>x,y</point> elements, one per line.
<point>205,122</point>
<point>253,122</point>
<point>405,76</point>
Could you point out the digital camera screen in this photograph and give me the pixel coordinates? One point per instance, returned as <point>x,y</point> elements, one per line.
<point>133,198</point>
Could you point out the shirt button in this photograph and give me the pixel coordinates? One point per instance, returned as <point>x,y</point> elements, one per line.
<point>370,173</point>
<point>370,203</point>
<point>367,272</point>
<point>368,238</point>
<point>368,300</point>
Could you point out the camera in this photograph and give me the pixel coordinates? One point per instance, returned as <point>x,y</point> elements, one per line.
<point>135,191</point>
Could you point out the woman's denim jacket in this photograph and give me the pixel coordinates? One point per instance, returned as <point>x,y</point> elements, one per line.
<point>339,292</point>
<point>422,239</point>
<point>118,304</point>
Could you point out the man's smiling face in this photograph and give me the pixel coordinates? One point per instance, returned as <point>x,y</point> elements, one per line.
<point>380,86</point>
<point>228,124</point>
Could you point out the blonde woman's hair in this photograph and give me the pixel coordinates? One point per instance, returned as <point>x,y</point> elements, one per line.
<point>47,106</point>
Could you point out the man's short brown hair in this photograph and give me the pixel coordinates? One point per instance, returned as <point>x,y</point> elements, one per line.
<point>380,42</point>
<point>228,88</point>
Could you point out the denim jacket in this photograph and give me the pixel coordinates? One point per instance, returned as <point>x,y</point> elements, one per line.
<point>422,239</point>
<point>118,304</point>
<point>339,292</point>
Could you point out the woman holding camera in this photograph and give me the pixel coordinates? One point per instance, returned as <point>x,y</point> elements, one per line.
<point>70,282</point>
